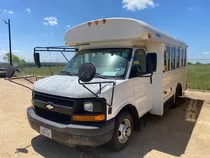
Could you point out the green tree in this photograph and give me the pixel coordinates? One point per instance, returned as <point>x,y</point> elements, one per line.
<point>15,59</point>
<point>197,63</point>
<point>189,63</point>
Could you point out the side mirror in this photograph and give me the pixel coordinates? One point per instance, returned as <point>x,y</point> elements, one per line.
<point>151,62</point>
<point>17,68</point>
<point>37,60</point>
<point>86,72</point>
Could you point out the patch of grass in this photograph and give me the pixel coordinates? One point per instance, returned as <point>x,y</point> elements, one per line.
<point>43,71</point>
<point>199,76</point>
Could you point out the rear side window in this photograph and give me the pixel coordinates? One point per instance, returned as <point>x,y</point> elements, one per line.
<point>173,58</point>
<point>167,58</point>
<point>181,57</point>
<point>185,56</point>
<point>177,57</point>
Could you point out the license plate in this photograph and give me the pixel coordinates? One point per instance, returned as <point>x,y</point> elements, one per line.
<point>46,132</point>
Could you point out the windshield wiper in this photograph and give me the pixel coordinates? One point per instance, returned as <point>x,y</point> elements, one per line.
<point>66,73</point>
<point>100,76</point>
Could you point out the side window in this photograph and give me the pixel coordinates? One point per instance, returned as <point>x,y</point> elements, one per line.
<point>185,57</point>
<point>140,59</point>
<point>125,55</point>
<point>139,63</point>
<point>167,58</point>
<point>86,58</point>
<point>181,57</point>
<point>173,58</point>
<point>177,57</point>
<point>90,56</point>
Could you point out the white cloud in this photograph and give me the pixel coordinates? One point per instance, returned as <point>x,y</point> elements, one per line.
<point>68,26</point>
<point>8,11</point>
<point>49,34</point>
<point>50,21</point>
<point>15,51</point>
<point>3,51</point>
<point>6,51</point>
<point>134,5</point>
<point>191,8</point>
<point>206,53</point>
<point>28,10</point>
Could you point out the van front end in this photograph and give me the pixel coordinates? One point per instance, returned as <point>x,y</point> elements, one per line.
<point>71,121</point>
<point>97,98</point>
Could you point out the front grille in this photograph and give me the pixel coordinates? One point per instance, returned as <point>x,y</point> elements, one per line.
<point>53,116</point>
<point>53,99</point>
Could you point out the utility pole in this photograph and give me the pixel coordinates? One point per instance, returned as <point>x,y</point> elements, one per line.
<point>10,45</point>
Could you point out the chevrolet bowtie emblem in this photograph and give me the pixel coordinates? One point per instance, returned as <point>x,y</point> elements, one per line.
<point>48,106</point>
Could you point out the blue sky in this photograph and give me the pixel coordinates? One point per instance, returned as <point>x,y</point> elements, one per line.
<point>44,22</point>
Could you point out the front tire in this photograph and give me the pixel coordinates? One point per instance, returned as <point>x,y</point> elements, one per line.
<point>123,131</point>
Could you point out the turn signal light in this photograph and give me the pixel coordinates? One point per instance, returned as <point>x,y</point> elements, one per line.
<point>89,118</point>
<point>96,22</point>
<point>149,35</point>
<point>104,21</point>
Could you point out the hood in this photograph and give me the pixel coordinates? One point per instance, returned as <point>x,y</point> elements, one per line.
<point>68,86</point>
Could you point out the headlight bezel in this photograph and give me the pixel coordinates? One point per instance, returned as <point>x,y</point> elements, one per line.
<point>88,106</point>
<point>99,109</point>
<point>99,106</point>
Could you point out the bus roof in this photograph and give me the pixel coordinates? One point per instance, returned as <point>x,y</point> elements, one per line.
<point>117,29</point>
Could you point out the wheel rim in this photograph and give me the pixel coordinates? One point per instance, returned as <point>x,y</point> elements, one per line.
<point>124,131</point>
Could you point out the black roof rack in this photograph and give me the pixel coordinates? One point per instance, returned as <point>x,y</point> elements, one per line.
<point>55,49</point>
<point>60,49</point>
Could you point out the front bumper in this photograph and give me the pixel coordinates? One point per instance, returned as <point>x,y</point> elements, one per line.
<point>73,134</point>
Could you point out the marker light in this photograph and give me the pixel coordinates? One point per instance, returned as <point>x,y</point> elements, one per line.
<point>104,21</point>
<point>89,23</point>
<point>88,117</point>
<point>96,22</point>
<point>149,35</point>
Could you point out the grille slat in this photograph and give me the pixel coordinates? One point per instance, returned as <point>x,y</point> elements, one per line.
<point>53,115</point>
<point>53,99</point>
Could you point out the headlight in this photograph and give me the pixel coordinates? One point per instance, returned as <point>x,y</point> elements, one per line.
<point>88,106</point>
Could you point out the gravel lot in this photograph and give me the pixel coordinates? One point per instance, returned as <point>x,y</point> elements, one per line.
<point>181,132</point>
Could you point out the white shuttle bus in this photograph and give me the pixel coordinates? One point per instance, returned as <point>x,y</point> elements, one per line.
<point>122,69</point>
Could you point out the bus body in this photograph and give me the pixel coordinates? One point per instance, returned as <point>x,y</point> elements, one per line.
<point>119,48</point>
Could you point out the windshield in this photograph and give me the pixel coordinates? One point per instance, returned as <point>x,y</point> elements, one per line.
<point>108,62</point>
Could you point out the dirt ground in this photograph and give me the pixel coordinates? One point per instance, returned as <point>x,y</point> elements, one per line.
<point>182,132</point>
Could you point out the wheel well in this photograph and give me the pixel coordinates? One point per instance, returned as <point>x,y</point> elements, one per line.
<point>134,113</point>
<point>179,90</point>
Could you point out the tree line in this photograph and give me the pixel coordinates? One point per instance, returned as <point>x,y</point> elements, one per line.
<point>197,63</point>
<point>22,63</point>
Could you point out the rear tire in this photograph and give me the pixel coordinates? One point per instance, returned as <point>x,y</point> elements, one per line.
<point>177,96</point>
<point>122,132</point>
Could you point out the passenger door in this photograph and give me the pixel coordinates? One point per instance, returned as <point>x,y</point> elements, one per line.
<point>142,85</point>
